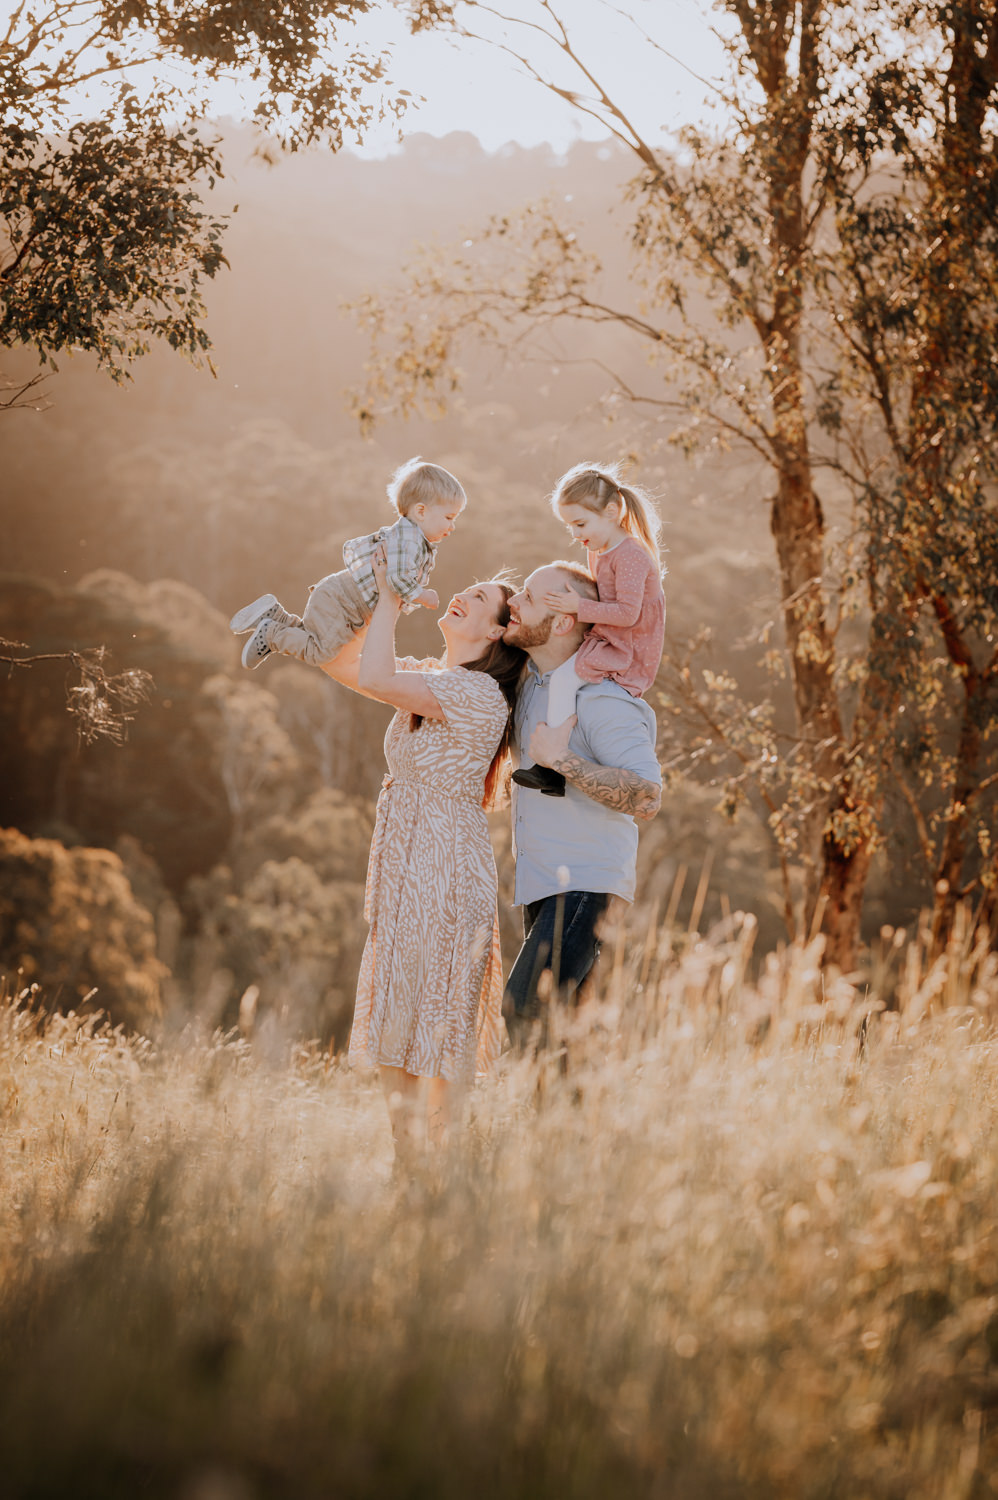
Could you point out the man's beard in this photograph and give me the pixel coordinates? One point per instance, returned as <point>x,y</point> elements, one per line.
<point>533,635</point>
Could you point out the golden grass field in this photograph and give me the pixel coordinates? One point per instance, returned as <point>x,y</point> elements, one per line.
<point>729,1237</point>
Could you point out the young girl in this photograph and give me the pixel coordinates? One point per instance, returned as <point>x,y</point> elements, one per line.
<point>619,528</point>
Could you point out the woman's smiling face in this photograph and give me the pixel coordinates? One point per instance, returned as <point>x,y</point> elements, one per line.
<point>473,615</point>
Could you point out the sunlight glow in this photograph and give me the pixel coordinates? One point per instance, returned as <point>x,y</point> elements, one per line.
<point>476,87</point>
<point>665,58</point>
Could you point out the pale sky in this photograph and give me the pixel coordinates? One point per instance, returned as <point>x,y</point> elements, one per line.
<point>647,54</point>
<point>474,87</point>
<point>655,58</point>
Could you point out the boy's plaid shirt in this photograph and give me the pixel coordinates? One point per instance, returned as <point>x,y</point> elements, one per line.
<point>410,561</point>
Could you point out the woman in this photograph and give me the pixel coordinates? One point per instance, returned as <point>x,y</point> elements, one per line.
<point>429,994</point>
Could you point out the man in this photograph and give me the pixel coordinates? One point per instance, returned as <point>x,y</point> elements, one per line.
<point>572,853</point>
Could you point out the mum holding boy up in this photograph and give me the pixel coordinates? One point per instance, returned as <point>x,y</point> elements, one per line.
<point>429,993</point>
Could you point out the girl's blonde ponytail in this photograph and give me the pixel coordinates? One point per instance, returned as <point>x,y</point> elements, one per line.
<point>593,486</point>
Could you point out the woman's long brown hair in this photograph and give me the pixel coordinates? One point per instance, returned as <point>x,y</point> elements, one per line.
<point>505,665</point>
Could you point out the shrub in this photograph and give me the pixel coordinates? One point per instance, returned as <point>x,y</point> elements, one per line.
<point>69,921</point>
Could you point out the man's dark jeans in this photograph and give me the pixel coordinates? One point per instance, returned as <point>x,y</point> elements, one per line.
<point>560,936</point>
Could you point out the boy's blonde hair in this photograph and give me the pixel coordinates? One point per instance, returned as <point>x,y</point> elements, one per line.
<point>419,483</point>
<point>593,486</point>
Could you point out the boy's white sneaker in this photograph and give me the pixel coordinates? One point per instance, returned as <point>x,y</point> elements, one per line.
<point>258,647</point>
<point>267,607</point>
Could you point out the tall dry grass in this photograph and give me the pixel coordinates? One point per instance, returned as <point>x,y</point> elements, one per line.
<point>728,1237</point>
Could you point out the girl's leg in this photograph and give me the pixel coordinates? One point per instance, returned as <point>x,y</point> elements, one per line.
<point>401,1090</point>
<point>562,689</point>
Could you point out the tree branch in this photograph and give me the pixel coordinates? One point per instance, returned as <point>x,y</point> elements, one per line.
<point>928,848</point>
<point>12,395</point>
<point>99,703</point>
<point>8,271</point>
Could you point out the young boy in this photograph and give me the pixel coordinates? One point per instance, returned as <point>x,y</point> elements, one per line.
<point>428,500</point>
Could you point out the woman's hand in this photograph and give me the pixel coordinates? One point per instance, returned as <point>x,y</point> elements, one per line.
<point>379,567</point>
<point>378,675</point>
<point>563,601</point>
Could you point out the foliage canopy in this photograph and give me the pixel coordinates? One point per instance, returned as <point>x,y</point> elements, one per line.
<point>106,152</point>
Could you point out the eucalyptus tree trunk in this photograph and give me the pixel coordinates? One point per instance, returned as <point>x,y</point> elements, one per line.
<point>960,200</point>
<point>835,869</point>
<point>949,869</point>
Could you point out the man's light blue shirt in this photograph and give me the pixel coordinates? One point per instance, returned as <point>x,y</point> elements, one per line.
<point>572,843</point>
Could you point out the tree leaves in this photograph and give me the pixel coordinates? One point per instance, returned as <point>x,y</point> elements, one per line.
<point>107,238</point>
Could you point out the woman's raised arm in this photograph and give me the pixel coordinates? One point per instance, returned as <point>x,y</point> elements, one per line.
<point>345,667</point>
<point>377,672</point>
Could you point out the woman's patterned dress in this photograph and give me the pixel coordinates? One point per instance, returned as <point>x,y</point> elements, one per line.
<point>429,994</point>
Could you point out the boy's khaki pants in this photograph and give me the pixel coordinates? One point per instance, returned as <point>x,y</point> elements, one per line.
<point>335,611</point>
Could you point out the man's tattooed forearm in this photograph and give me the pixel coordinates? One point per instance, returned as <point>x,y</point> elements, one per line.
<point>622,790</point>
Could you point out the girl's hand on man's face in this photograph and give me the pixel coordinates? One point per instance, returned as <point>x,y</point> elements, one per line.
<point>563,601</point>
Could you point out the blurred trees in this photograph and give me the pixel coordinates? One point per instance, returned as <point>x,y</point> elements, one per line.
<point>163,785</point>
<point>233,863</point>
<point>295,938</point>
<point>254,753</point>
<point>106,239</point>
<point>69,918</point>
<point>912,407</point>
<point>207,510</point>
<point>818,287</point>
<point>328,831</point>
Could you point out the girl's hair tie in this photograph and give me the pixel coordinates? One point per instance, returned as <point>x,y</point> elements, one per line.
<point>610,483</point>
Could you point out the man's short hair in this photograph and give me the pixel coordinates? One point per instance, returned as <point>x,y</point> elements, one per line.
<point>578,578</point>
